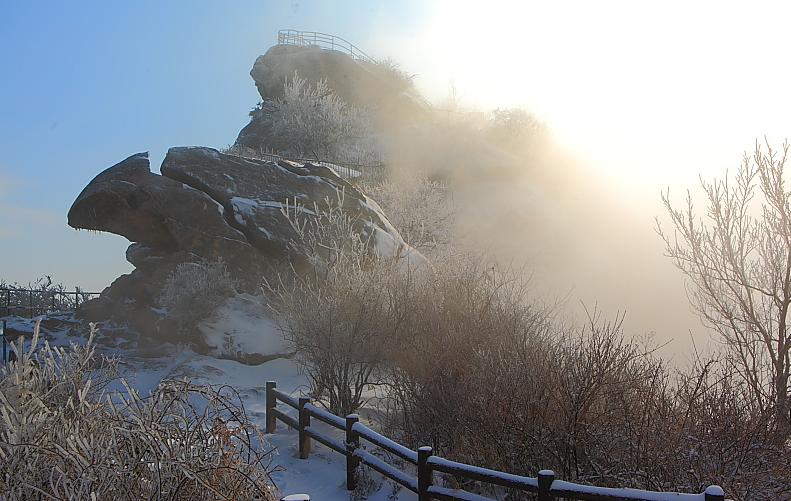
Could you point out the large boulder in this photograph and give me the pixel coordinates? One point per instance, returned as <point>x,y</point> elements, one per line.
<point>364,84</point>
<point>357,82</point>
<point>207,206</point>
<point>164,215</point>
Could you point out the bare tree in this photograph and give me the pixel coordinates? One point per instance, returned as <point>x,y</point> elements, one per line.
<point>738,260</point>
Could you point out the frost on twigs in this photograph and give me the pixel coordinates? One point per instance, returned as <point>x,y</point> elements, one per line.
<point>65,435</point>
<point>194,291</point>
<point>311,120</point>
<point>332,314</point>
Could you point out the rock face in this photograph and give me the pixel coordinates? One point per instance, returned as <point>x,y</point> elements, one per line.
<point>207,206</point>
<point>357,82</point>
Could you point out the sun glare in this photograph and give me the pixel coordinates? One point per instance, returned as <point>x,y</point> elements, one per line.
<point>649,95</point>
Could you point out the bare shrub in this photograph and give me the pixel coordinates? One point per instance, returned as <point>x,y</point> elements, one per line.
<point>529,393</point>
<point>194,291</point>
<point>64,436</point>
<point>333,314</point>
<point>465,359</point>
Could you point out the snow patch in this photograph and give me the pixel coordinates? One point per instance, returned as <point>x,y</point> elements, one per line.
<point>243,325</point>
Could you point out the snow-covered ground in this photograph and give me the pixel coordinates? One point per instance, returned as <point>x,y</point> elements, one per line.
<point>322,476</point>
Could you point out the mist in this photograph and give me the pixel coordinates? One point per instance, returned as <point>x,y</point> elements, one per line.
<point>631,109</point>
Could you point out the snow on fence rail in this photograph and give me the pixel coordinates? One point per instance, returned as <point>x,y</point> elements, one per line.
<point>323,41</point>
<point>545,486</point>
<point>31,302</point>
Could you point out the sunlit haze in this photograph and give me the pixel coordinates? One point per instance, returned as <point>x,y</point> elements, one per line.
<point>645,96</point>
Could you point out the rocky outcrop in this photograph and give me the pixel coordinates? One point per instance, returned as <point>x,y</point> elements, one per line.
<point>356,82</point>
<point>207,206</point>
<point>367,85</point>
<point>163,216</point>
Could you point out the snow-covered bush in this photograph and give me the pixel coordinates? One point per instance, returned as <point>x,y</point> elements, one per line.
<point>516,130</point>
<point>312,121</point>
<point>392,73</point>
<point>64,435</point>
<point>194,290</point>
<point>422,210</point>
<point>332,315</point>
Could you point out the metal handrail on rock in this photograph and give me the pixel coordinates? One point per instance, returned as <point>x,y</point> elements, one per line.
<point>323,41</point>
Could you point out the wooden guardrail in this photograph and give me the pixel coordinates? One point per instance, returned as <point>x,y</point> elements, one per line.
<point>323,41</point>
<point>545,485</point>
<point>31,302</point>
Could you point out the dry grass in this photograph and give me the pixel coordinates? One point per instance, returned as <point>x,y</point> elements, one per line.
<point>63,435</point>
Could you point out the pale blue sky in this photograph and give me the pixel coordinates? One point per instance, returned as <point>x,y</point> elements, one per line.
<point>85,84</point>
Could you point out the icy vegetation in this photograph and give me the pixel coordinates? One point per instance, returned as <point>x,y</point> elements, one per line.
<point>67,433</point>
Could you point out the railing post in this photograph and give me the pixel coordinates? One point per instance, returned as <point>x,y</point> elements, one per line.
<point>714,493</point>
<point>271,403</point>
<point>304,422</point>
<point>545,479</point>
<point>425,475</point>
<point>30,303</point>
<point>352,444</point>
<point>5,346</point>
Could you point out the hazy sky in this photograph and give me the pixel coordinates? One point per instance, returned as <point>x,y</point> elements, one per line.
<point>646,94</point>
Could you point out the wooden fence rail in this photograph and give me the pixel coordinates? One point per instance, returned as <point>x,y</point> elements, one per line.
<point>545,486</point>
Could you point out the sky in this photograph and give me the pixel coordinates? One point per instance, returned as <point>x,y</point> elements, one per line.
<point>86,84</point>
<point>647,95</point>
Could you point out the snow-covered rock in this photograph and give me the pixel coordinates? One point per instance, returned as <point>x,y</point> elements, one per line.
<point>207,205</point>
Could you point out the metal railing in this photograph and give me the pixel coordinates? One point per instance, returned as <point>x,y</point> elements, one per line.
<point>545,486</point>
<point>323,41</point>
<point>31,303</point>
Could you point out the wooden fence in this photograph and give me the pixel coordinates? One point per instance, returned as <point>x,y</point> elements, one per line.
<point>31,302</point>
<point>545,486</point>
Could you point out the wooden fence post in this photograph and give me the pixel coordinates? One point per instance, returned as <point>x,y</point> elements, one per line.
<point>352,444</point>
<point>545,479</point>
<point>304,422</point>
<point>714,493</point>
<point>271,403</point>
<point>425,475</point>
